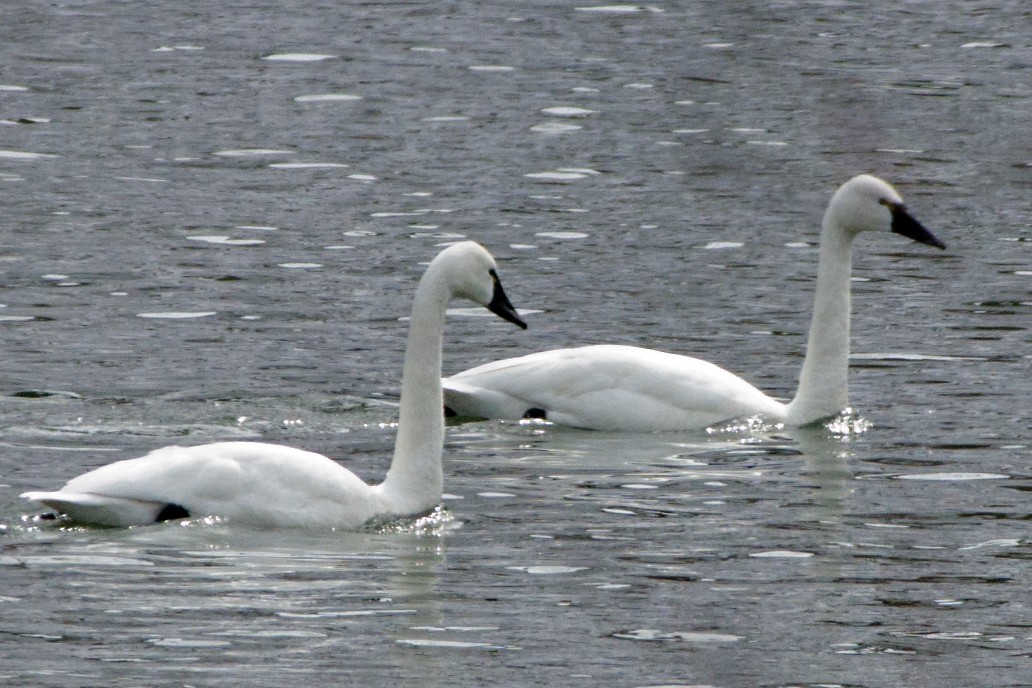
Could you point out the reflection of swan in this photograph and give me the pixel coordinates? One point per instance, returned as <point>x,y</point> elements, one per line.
<point>271,485</point>
<point>629,388</point>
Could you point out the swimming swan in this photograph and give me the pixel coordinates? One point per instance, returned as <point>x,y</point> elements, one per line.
<point>268,485</point>
<point>627,388</point>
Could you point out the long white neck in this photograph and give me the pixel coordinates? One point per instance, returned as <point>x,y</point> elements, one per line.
<point>823,383</point>
<point>414,482</point>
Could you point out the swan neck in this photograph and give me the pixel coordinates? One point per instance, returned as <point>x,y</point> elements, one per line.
<point>823,381</point>
<point>414,483</point>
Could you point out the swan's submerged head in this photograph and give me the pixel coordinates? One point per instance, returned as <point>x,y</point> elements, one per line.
<point>471,274</point>
<point>866,202</point>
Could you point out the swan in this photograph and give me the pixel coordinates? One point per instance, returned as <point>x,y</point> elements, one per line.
<point>633,389</point>
<point>268,485</point>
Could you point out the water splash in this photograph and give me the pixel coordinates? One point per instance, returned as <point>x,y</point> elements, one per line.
<point>848,423</point>
<point>745,425</point>
<point>433,524</point>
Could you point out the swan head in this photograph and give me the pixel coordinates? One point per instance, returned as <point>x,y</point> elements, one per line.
<point>471,273</point>
<point>866,202</point>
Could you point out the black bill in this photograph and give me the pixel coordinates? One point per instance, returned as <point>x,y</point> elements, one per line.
<point>501,307</point>
<point>904,224</point>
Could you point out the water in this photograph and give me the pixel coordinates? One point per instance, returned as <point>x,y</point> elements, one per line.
<point>214,218</point>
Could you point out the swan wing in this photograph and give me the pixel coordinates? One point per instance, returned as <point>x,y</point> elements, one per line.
<point>249,482</point>
<point>608,387</point>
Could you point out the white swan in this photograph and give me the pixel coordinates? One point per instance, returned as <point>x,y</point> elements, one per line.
<point>268,485</point>
<point>626,388</point>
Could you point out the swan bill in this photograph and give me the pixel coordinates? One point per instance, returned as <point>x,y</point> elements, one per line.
<point>501,306</point>
<point>904,224</point>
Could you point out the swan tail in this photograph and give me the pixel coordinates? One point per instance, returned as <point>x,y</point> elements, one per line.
<point>101,510</point>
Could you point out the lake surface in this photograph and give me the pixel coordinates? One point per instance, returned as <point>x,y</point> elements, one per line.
<point>215,214</point>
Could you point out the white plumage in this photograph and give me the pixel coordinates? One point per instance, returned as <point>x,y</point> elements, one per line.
<point>626,388</point>
<point>268,485</point>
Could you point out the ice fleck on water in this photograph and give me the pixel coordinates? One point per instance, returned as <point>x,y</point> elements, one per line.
<point>327,98</point>
<point>23,155</point>
<point>1000,542</point>
<point>225,240</point>
<point>176,315</point>
<point>983,44</point>
<point>716,245</point>
<point>174,48</point>
<point>554,128</point>
<point>555,176</point>
<point>457,644</point>
<point>952,477</point>
<point>547,570</point>
<point>562,235</point>
<point>650,634</point>
<point>306,165</point>
<point>251,152</point>
<point>781,554</point>
<point>491,68</point>
<point>612,9</point>
<point>565,111</point>
<point>181,642</point>
<point>298,57</point>
<point>563,174</point>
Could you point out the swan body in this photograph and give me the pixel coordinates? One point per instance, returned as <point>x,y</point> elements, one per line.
<point>633,389</point>
<point>268,485</point>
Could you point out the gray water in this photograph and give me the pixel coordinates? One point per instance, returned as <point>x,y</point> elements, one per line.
<point>201,242</point>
